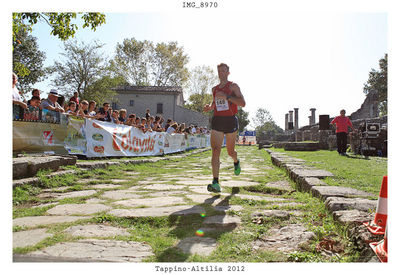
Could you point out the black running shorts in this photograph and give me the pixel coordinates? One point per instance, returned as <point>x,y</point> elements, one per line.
<point>226,124</point>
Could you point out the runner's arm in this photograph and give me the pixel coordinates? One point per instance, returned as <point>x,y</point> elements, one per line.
<point>237,97</point>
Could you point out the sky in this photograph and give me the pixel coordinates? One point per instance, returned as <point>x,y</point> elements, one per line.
<point>280,60</point>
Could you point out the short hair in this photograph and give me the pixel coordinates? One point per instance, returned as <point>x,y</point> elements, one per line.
<point>122,110</point>
<point>71,102</point>
<point>223,65</point>
<point>92,101</point>
<point>35,98</point>
<point>343,110</point>
<point>105,103</point>
<point>85,102</point>
<point>34,90</point>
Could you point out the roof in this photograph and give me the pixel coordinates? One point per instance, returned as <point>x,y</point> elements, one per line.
<point>149,89</point>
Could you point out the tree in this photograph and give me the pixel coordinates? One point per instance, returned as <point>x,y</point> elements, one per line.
<point>242,116</point>
<point>197,102</point>
<point>82,66</point>
<point>28,61</point>
<point>198,87</point>
<point>60,24</point>
<point>265,123</point>
<point>101,89</point>
<point>377,81</point>
<point>143,64</point>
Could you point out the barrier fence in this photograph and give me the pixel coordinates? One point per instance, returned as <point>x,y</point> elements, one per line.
<point>94,138</point>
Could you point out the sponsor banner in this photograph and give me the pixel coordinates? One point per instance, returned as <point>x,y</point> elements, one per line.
<point>38,137</point>
<point>174,143</point>
<point>247,140</point>
<point>109,139</point>
<point>75,142</point>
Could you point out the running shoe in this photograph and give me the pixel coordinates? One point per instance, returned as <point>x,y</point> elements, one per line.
<point>237,168</point>
<point>214,187</point>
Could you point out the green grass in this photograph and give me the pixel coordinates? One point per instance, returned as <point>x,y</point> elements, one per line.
<point>164,233</point>
<point>353,171</point>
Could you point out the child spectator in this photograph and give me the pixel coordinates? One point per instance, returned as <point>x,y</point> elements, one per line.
<point>114,117</point>
<point>92,108</point>
<point>83,109</point>
<point>33,108</point>
<point>172,129</point>
<point>147,114</point>
<point>131,121</point>
<point>71,109</point>
<point>122,116</point>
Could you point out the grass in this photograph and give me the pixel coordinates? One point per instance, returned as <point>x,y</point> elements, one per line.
<point>353,171</point>
<point>164,233</point>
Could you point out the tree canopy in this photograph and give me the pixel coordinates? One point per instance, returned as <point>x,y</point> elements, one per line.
<point>265,123</point>
<point>142,63</point>
<point>377,81</point>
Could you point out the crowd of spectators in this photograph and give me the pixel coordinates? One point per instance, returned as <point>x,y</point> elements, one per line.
<point>50,108</point>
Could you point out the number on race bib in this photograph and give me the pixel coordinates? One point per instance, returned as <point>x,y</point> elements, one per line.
<point>221,105</point>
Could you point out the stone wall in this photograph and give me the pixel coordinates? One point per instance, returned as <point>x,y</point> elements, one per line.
<point>368,109</point>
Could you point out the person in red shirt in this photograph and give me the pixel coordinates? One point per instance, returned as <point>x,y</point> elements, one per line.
<point>342,124</point>
<point>226,99</point>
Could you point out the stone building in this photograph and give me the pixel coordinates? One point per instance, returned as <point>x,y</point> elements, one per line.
<point>165,101</point>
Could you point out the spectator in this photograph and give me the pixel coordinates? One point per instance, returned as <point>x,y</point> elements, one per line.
<point>105,112</point>
<point>142,126</point>
<point>92,108</point>
<point>148,126</point>
<point>147,114</point>
<point>169,123</point>
<point>17,99</point>
<point>122,116</point>
<point>35,92</point>
<point>342,124</point>
<point>33,108</point>
<point>71,108</point>
<point>83,109</point>
<point>115,116</point>
<point>50,103</point>
<point>172,129</point>
<point>137,122</point>
<point>61,100</point>
<point>75,98</point>
<point>131,121</point>
<point>156,125</point>
<point>182,128</point>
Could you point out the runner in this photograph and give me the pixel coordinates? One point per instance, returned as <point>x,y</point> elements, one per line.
<point>226,99</point>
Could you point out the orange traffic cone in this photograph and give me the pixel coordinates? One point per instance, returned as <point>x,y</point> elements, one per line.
<point>378,225</point>
<point>380,249</point>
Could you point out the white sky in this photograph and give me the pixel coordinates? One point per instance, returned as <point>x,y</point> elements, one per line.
<point>280,60</point>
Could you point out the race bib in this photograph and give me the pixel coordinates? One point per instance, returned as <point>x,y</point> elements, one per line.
<point>221,104</point>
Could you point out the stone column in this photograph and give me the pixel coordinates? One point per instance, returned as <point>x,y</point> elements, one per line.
<point>296,118</point>
<point>312,121</point>
<point>286,121</point>
<point>290,116</point>
<point>309,120</point>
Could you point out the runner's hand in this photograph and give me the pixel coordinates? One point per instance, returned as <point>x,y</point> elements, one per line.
<point>207,108</point>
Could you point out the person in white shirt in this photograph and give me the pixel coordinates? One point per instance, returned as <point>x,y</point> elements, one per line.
<point>17,99</point>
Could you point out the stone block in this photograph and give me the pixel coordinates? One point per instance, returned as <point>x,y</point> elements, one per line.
<point>20,168</point>
<point>337,191</point>
<point>42,163</point>
<point>340,203</point>
<point>351,217</point>
<point>301,146</point>
<point>305,184</point>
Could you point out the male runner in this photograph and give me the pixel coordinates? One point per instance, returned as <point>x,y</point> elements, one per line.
<point>226,99</point>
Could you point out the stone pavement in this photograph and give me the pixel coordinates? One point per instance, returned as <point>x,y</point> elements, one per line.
<point>86,240</point>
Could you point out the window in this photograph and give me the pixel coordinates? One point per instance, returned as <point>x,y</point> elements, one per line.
<point>159,108</point>
<point>131,102</point>
<point>114,106</point>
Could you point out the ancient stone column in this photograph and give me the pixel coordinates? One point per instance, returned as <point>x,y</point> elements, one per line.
<point>312,121</point>
<point>296,118</point>
<point>309,120</point>
<point>290,116</point>
<point>286,121</point>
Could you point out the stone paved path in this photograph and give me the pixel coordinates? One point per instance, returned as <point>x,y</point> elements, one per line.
<point>179,194</point>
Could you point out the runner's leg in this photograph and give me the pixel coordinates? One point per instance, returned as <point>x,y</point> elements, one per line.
<point>216,140</point>
<point>230,145</point>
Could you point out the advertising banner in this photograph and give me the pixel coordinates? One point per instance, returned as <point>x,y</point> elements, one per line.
<point>109,139</point>
<point>75,142</point>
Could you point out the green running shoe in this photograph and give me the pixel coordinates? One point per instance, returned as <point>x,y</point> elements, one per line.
<point>237,168</point>
<point>214,187</point>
